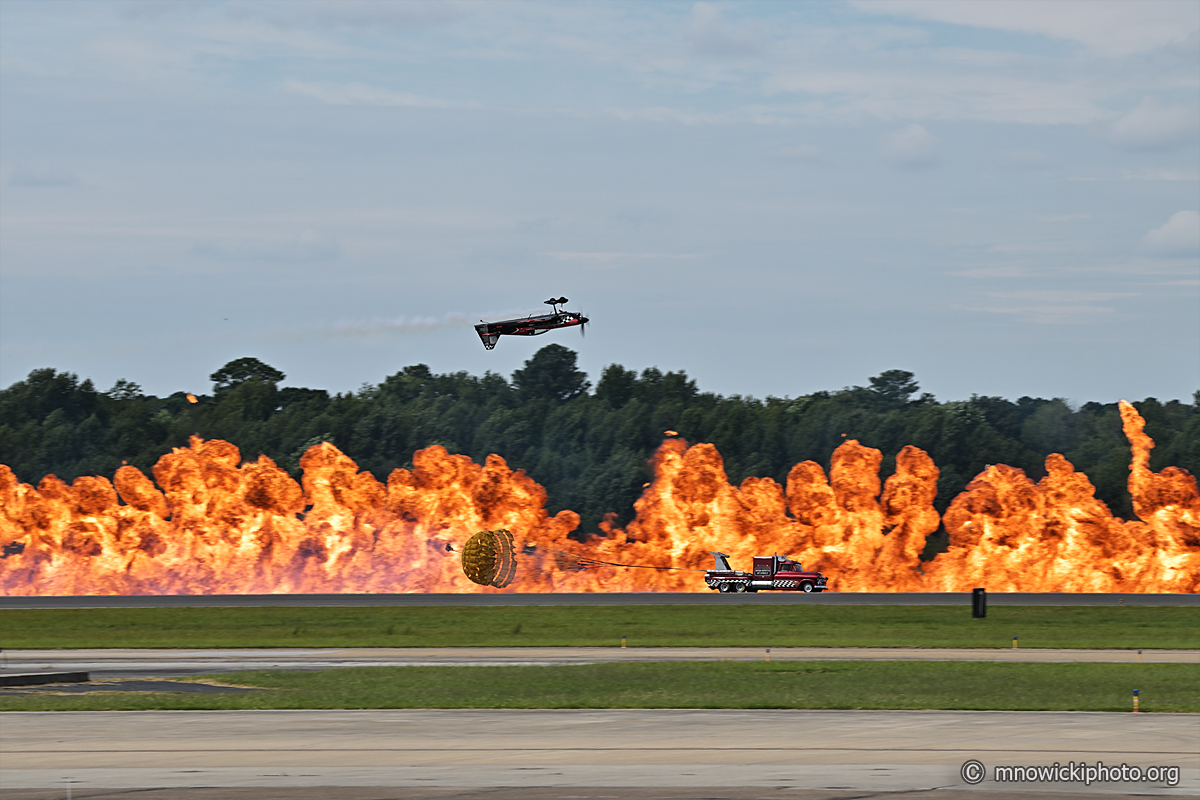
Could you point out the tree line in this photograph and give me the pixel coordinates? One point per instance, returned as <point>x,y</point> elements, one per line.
<point>587,445</point>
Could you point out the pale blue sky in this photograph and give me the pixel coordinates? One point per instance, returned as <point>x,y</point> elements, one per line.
<point>775,197</point>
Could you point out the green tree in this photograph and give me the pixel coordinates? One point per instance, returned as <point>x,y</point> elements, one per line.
<point>590,452</point>
<point>46,391</point>
<point>616,385</point>
<point>240,370</point>
<point>551,375</point>
<point>124,390</point>
<point>894,386</point>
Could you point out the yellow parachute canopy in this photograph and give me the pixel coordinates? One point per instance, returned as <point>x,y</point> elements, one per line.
<point>488,558</point>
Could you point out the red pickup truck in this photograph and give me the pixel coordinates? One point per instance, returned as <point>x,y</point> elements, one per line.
<point>770,573</point>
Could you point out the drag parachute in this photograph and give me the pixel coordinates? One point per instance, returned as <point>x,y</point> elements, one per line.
<point>488,558</point>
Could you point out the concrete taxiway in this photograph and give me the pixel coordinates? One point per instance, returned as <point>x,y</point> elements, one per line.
<point>628,753</point>
<point>130,663</point>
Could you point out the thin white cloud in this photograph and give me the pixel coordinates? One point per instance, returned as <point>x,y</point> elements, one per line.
<point>28,176</point>
<point>1154,125</point>
<point>1160,175</point>
<point>1138,266</point>
<point>1029,159</point>
<point>375,13</point>
<point>1108,27</point>
<point>1051,307</point>
<point>154,10</point>
<point>306,247</point>
<point>912,147</point>
<point>754,115</point>
<point>1178,236</point>
<point>801,152</point>
<point>1005,271</point>
<point>348,94</point>
<point>946,84</point>
<point>709,34</point>
<point>612,257</point>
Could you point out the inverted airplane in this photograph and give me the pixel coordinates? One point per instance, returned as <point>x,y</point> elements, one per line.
<point>533,325</point>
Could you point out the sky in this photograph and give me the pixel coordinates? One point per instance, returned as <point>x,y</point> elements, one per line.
<point>776,198</point>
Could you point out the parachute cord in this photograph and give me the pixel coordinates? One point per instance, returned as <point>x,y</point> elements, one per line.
<point>593,562</point>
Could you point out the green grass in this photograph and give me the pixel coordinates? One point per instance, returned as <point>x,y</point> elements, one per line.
<point>645,626</point>
<point>829,684</point>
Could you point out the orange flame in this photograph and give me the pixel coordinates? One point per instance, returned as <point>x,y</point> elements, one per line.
<point>1055,536</point>
<point>214,525</point>
<point>191,398</point>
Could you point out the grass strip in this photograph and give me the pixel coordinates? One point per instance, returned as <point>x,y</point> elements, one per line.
<point>814,685</point>
<point>584,626</point>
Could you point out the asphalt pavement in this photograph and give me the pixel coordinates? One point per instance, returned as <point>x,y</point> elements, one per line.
<point>632,754</point>
<point>138,663</point>
<point>605,792</point>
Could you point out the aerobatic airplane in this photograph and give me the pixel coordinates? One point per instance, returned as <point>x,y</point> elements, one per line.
<point>533,325</point>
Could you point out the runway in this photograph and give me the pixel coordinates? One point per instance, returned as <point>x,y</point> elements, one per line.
<point>599,599</point>
<point>631,754</point>
<point>579,754</point>
<point>137,663</point>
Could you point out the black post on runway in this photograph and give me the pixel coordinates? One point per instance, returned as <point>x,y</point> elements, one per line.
<point>979,604</point>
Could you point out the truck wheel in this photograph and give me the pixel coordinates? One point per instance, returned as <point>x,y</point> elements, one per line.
<point>807,587</point>
<point>723,588</point>
<point>739,588</point>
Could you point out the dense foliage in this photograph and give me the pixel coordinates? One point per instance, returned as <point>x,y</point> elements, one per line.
<point>588,447</point>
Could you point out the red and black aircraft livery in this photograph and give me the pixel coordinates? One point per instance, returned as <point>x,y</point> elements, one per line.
<point>533,325</point>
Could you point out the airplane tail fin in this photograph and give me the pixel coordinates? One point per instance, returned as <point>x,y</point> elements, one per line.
<point>489,339</point>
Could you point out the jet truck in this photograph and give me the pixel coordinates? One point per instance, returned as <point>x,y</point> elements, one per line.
<point>775,572</point>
